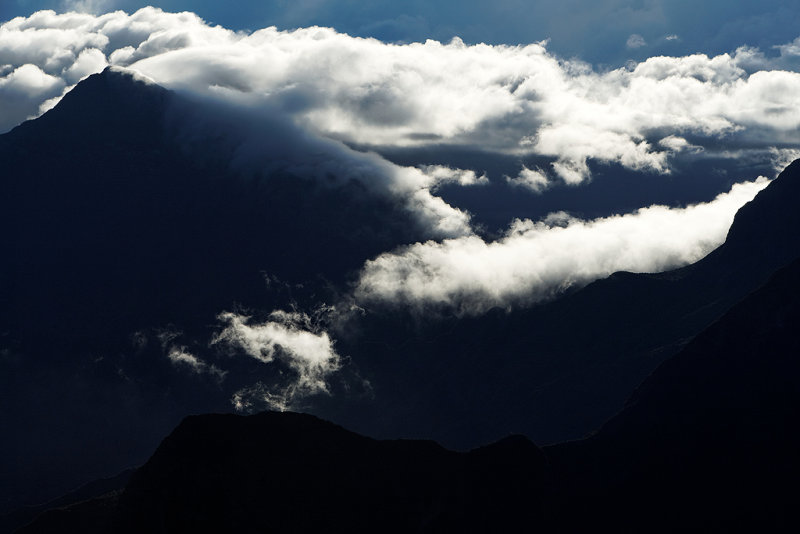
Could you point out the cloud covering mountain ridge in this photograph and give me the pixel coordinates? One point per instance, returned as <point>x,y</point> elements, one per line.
<point>537,261</point>
<point>322,105</point>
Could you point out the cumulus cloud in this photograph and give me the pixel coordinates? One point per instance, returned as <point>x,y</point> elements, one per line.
<point>23,89</point>
<point>293,339</point>
<point>535,261</point>
<point>520,100</point>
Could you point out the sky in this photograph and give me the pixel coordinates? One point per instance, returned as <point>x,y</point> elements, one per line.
<point>565,90</point>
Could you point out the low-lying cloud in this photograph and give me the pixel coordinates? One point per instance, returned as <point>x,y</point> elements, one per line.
<point>536,261</point>
<point>292,339</point>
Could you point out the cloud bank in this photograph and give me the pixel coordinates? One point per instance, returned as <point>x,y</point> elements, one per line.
<point>510,99</point>
<point>535,261</point>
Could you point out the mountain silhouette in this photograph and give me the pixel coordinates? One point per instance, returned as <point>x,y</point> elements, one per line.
<point>708,443</point>
<point>286,472</point>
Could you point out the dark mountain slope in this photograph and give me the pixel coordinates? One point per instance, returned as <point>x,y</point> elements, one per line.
<point>285,472</point>
<point>105,487</point>
<point>559,370</point>
<point>117,235</point>
<point>709,442</point>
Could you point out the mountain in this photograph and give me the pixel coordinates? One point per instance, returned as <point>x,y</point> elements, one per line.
<point>709,441</point>
<point>286,472</point>
<point>88,492</point>
<point>126,227</point>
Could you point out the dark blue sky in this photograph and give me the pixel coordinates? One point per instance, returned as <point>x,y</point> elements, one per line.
<point>598,31</point>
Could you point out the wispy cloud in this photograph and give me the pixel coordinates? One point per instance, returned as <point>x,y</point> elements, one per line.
<point>635,41</point>
<point>181,357</point>
<point>292,339</point>
<point>88,6</point>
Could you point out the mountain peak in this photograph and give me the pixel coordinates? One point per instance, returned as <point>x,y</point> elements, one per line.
<point>765,230</point>
<point>115,87</point>
<point>113,101</point>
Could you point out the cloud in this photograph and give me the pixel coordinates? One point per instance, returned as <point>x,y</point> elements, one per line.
<point>181,357</point>
<point>89,61</point>
<point>678,144</point>
<point>534,180</point>
<point>22,88</point>
<point>519,100</point>
<point>88,6</point>
<point>327,92</point>
<point>635,41</point>
<point>536,261</point>
<point>178,354</point>
<point>293,339</point>
<point>262,139</point>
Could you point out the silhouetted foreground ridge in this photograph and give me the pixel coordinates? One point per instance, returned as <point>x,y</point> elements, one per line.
<point>288,472</point>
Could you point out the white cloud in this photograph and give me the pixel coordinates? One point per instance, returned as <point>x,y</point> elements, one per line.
<point>536,261</point>
<point>676,144</point>
<point>22,90</point>
<point>635,41</point>
<point>440,175</point>
<point>781,158</point>
<point>510,99</point>
<point>181,357</point>
<point>291,338</point>
<point>534,180</point>
<point>89,61</point>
